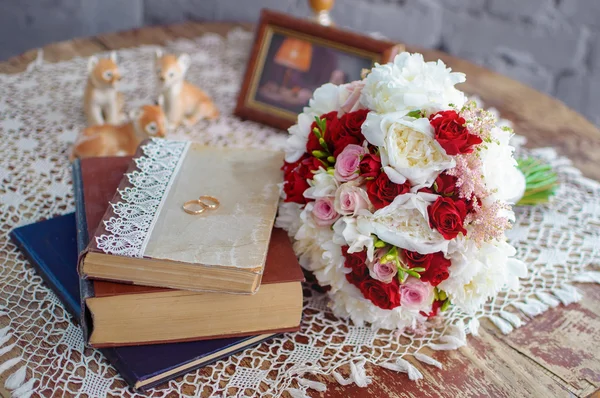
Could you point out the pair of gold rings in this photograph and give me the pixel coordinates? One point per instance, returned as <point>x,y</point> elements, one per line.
<point>200,205</point>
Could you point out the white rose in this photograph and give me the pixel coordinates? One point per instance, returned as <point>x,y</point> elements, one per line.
<point>404,223</point>
<point>500,172</point>
<point>410,83</point>
<point>408,148</point>
<point>323,184</point>
<point>350,199</point>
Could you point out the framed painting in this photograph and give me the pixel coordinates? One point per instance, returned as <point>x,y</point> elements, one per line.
<point>292,57</point>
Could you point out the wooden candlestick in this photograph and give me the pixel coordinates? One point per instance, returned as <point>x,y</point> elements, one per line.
<point>321,10</point>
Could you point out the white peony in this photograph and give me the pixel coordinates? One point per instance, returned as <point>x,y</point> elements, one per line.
<point>500,172</point>
<point>480,272</point>
<point>326,98</point>
<point>410,83</point>
<point>408,148</point>
<point>404,223</point>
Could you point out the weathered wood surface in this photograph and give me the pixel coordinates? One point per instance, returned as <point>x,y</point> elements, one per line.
<point>556,354</point>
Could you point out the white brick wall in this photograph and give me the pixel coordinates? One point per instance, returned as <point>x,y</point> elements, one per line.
<point>551,45</point>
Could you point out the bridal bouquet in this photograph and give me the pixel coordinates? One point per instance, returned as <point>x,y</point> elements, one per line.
<point>397,192</point>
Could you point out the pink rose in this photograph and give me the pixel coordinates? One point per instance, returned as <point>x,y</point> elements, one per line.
<point>416,295</point>
<point>350,199</point>
<point>323,212</point>
<point>353,101</point>
<point>384,272</point>
<point>348,163</point>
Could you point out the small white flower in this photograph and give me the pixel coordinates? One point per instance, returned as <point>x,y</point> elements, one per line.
<point>295,146</point>
<point>323,184</point>
<point>408,148</point>
<point>346,234</point>
<point>288,217</point>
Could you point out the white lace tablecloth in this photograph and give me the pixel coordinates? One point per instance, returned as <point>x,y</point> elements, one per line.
<point>40,115</point>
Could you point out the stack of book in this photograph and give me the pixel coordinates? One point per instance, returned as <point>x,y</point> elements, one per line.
<point>162,291</point>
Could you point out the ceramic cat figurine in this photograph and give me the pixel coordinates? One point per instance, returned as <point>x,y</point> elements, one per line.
<point>184,102</point>
<point>103,104</point>
<point>121,140</point>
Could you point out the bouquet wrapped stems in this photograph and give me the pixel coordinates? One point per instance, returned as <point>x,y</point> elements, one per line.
<point>540,181</point>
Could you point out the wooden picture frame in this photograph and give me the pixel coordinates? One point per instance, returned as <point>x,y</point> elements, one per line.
<point>298,45</point>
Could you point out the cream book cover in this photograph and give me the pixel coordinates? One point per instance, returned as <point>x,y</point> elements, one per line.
<point>147,238</point>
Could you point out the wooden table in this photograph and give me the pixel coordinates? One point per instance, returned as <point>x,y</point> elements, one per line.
<point>556,354</point>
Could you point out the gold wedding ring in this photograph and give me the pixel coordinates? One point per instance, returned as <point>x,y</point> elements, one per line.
<point>203,203</point>
<point>191,207</point>
<point>213,203</point>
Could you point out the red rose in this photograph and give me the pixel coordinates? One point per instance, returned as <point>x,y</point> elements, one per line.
<point>294,187</point>
<point>382,191</point>
<point>303,167</point>
<point>358,263</point>
<point>435,307</point>
<point>370,165</point>
<point>383,295</point>
<point>331,128</point>
<point>452,134</point>
<point>349,131</point>
<point>358,275</point>
<point>416,259</point>
<point>354,260</point>
<point>447,216</point>
<point>445,184</point>
<point>437,271</point>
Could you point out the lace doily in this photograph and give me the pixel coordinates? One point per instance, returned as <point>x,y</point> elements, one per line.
<point>40,115</point>
<point>136,212</point>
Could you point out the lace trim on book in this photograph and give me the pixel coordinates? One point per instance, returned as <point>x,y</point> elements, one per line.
<point>137,211</point>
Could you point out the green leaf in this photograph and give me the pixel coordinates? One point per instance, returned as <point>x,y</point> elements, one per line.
<point>417,114</point>
<point>379,244</point>
<point>442,295</point>
<point>445,306</point>
<point>401,275</point>
<point>413,273</point>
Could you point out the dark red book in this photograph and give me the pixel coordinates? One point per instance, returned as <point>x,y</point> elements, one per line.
<point>117,314</point>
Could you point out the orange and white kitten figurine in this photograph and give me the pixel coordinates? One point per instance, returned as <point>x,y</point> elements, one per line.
<point>102,103</point>
<point>184,102</point>
<point>122,140</point>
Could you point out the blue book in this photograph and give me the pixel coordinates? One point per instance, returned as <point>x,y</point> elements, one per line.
<point>52,248</point>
